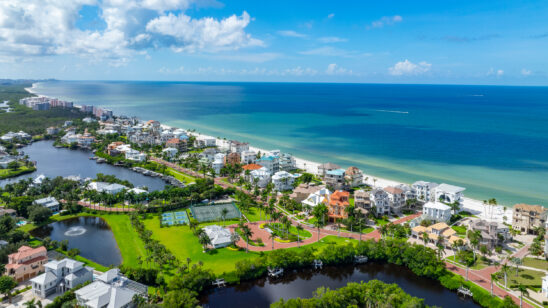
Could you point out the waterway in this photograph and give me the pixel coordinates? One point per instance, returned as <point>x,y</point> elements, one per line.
<point>91,235</point>
<point>53,162</point>
<point>263,292</point>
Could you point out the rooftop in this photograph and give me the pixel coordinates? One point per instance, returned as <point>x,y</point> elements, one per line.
<point>450,188</point>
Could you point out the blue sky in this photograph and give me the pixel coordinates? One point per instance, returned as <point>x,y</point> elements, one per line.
<point>461,42</point>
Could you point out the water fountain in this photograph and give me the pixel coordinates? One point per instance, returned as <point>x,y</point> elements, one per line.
<point>75,231</point>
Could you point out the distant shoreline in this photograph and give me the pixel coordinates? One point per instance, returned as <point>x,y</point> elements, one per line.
<point>474,206</point>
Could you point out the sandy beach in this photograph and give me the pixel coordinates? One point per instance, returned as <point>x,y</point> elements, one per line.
<point>476,207</point>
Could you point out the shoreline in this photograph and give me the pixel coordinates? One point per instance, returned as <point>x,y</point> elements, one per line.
<point>474,206</point>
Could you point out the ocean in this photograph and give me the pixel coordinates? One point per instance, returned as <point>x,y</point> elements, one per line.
<point>493,140</point>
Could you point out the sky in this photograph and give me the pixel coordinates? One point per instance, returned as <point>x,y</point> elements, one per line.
<point>448,42</point>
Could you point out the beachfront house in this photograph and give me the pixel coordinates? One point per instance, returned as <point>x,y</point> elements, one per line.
<point>270,162</point>
<point>208,154</point>
<point>238,147</point>
<point>110,290</point>
<point>436,211</point>
<point>219,236</point>
<point>248,157</point>
<point>381,202</point>
<point>323,168</point>
<point>26,263</point>
<point>353,177</point>
<point>408,191</point>
<point>303,190</point>
<point>49,202</point>
<point>335,179</point>
<point>321,196</point>
<point>177,143</point>
<point>287,162</point>
<point>204,142</point>
<point>283,180</point>
<point>526,218</point>
<point>396,198</point>
<point>260,176</point>
<point>425,190</point>
<point>449,193</point>
<point>60,276</point>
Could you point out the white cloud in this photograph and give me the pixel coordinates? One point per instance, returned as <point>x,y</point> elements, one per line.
<point>409,68</point>
<point>248,57</point>
<point>493,72</point>
<point>525,72</point>
<point>331,15</point>
<point>330,51</point>
<point>291,33</point>
<point>334,69</point>
<point>385,21</point>
<point>332,39</point>
<point>38,28</point>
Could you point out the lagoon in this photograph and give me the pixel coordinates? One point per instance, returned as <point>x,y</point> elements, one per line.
<point>264,291</point>
<point>53,162</point>
<point>91,235</point>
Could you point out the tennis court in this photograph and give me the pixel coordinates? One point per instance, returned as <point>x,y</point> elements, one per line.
<point>174,218</point>
<point>213,212</point>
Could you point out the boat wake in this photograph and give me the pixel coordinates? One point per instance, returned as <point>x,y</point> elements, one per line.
<point>392,111</point>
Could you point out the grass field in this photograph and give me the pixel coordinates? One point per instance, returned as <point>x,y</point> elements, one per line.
<point>183,244</point>
<point>527,277</point>
<point>536,263</point>
<point>7,173</point>
<point>254,214</point>
<point>185,178</point>
<point>479,264</point>
<point>461,230</point>
<point>130,245</point>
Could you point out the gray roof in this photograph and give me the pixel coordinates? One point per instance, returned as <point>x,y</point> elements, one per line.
<point>45,278</point>
<point>329,166</point>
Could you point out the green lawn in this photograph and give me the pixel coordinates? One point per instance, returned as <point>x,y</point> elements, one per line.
<point>280,231</point>
<point>381,221</point>
<point>183,244</point>
<point>253,214</point>
<point>185,178</point>
<point>528,278</point>
<point>7,173</point>
<point>536,263</point>
<point>130,245</point>
<point>479,264</point>
<point>461,230</point>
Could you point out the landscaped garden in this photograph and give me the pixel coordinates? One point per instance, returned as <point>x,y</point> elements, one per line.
<point>285,234</point>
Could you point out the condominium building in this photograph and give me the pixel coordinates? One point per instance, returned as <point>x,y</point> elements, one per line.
<point>425,190</point>
<point>335,178</point>
<point>528,217</point>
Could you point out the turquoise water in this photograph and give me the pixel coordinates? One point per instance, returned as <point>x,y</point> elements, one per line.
<point>491,140</point>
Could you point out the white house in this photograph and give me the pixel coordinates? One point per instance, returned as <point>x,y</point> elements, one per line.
<point>321,196</point>
<point>425,190</point>
<point>449,193</point>
<point>287,162</point>
<point>335,178</point>
<point>106,187</point>
<point>381,202</point>
<point>218,162</point>
<point>271,163</point>
<point>135,155</point>
<point>545,286</point>
<point>5,161</point>
<point>436,211</point>
<point>283,180</point>
<point>408,191</point>
<point>219,236</point>
<point>248,157</point>
<point>110,290</point>
<point>262,175</point>
<point>170,152</point>
<point>396,198</point>
<point>323,168</point>
<point>238,147</point>
<point>204,141</point>
<point>48,202</point>
<point>354,176</point>
<point>60,276</point>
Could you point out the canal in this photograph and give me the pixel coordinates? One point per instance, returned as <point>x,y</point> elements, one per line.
<point>53,162</point>
<point>302,283</point>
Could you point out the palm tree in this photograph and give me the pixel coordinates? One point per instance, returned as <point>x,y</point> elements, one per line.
<point>299,230</point>
<point>522,290</point>
<point>505,268</point>
<point>204,240</point>
<point>493,278</point>
<point>517,262</point>
<point>425,238</point>
<point>247,234</point>
<point>224,212</point>
<point>319,212</point>
<point>272,236</point>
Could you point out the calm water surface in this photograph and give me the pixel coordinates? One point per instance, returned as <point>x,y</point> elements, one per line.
<point>91,235</point>
<point>53,162</point>
<point>493,140</point>
<point>263,292</point>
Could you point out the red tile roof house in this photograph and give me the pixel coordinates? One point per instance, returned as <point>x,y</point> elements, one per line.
<point>177,143</point>
<point>26,263</point>
<point>337,205</point>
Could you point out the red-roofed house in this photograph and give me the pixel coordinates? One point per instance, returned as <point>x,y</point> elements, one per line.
<point>251,167</point>
<point>177,143</point>
<point>337,205</point>
<point>26,263</point>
